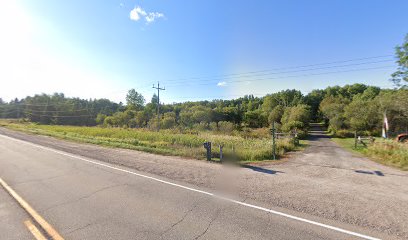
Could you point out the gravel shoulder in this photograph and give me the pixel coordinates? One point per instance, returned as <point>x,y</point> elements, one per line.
<point>324,180</point>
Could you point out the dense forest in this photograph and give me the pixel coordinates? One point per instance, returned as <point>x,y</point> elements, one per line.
<point>344,109</point>
<point>351,107</point>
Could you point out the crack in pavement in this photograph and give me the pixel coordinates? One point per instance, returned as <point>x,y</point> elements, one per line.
<point>80,228</point>
<point>83,197</point>
<point>209,225</point>
<point>215,218</point>
<point>182,218</point>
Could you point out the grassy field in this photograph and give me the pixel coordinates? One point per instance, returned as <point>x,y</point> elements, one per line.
<point>387,152</point>
<point>164,142</point>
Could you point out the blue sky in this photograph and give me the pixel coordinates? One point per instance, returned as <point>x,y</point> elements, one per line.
<point>196,49</point>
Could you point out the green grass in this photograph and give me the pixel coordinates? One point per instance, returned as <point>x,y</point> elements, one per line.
<point>387,152</point>
<point>164,142</point>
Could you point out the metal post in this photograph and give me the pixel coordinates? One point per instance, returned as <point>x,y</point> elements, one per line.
<point>273,141</point>
<point>221,146</point>
<point>355,139</point>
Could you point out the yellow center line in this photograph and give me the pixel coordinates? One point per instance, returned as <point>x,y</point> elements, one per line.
<point>37,217</point>
<point>34,230</point>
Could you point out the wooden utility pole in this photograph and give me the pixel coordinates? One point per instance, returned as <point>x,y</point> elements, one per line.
<point>158,104</point>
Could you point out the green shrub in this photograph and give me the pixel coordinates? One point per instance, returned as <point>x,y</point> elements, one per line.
<point>343,133</point>
<point>226,127</point>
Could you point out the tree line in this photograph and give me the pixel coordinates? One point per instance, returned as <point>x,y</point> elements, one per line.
<point>58,109</point>
<point>351,107</point>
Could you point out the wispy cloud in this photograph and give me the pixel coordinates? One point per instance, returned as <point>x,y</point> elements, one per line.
<point>151,17</point>
<point>222,84</point>
<point>139,13</point>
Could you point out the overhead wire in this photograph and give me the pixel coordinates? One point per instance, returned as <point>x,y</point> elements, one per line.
<point>283,72</point>
<point>274,69</point>
<point>284,77</point>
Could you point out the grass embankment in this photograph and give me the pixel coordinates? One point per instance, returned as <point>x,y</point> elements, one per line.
<point>164,142</point>
<point>388,152</point>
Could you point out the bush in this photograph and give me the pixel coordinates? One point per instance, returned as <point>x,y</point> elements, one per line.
<point>344,133</point>
<point>226,127</point>
<point>258,133</point>
<point>293,125</point>
<point>202,126</point>
<point>100,118</point>
<point>213,126</point>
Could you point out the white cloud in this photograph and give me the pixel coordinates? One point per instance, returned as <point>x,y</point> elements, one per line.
<point>138,13</point>
<point>222,84</point>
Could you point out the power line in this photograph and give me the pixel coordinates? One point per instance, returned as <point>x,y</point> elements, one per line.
<point>283,68</point>
<point>292,76</point>
<point>219,97</point>
<point>57,116</point>
<point>295,71</point>
<point>44,105</point>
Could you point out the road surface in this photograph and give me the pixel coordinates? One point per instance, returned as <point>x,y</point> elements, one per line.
<point>12,218</point>
<point>86,200</point>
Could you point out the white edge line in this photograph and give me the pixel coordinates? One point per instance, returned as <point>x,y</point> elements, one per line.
<point>199,191</point>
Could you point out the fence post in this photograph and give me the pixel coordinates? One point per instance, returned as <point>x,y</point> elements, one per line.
<point>273,141</point>
<point>207,146</point>
<point>355,139</point>
<point>221,146</point>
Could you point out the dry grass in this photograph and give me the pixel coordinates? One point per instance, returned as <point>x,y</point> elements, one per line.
<point>165,142</point>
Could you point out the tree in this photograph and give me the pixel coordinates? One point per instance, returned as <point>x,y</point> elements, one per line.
<point>135,100</point>
<point>286,98</point>
<point>395,104</point>
<point>362,114</point>
<point>168,120</point>
<point>276,114</point>
<point>313,99</point>
<point>400,77</point>
<point>296,117</point>
<point>255,119</point>
<point>333,109</point>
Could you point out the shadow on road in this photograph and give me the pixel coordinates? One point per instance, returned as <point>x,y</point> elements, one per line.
<point>262,170</point>
<point>378,173</point>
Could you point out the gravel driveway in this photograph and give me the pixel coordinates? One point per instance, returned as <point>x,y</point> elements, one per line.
<point>324,180</point>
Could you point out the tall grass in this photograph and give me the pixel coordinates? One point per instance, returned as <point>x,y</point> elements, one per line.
<point>391,152</point>
<point>388,152</point>
<point>165,142</point>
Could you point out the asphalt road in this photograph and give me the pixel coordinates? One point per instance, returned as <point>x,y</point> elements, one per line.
<point>12,218</point>
<point>96,200</point>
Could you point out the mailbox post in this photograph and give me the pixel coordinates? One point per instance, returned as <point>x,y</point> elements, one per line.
<point>207,146</point>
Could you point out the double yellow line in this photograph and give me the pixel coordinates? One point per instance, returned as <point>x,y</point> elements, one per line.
<point>34,230</point>
<point>37,217</point>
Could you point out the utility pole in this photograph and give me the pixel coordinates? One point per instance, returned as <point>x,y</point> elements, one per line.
<point>158,104</point>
